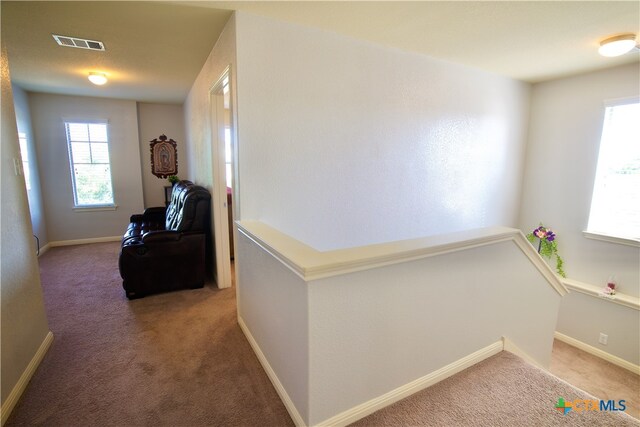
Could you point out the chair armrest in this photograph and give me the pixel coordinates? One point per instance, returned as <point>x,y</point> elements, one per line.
<point>158,210</point>
<point>155,214</point>
<point>136,218</point>
<point>161,236</point>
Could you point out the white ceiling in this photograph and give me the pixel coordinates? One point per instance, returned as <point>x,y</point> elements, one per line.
<point>155,49</point>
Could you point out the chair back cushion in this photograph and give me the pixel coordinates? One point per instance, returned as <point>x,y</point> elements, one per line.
<point>189,208</point>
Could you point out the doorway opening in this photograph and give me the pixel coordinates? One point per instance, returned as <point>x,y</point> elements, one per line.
<point>222,174</point>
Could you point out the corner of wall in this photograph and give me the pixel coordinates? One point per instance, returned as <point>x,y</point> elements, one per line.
<point>34,194</point>
<point>24,323</point>
<point>10,402</point>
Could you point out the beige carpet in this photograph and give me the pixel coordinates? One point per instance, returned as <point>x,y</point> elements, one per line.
<point>502,390</point>
<point>596,376</point>
<point>174,359</point>
<point>180,359</point>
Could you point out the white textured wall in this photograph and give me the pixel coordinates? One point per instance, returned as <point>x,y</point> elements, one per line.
<point>197,109</point>
<point>48,114</point>
<point>273,303</point>
<point>374,331</point>
<point>583,317</point>
<point>197,113</point>
<point>562,153</point>
<point>153,121</point>
<point>36,208</point>
<point>24,323</point>
<point>345,143</point>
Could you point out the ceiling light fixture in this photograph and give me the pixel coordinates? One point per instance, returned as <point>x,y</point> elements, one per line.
<point>97,78</point>
<point>617,45</point>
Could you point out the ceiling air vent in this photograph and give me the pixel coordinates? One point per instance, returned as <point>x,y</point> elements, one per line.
<point>79,43</point>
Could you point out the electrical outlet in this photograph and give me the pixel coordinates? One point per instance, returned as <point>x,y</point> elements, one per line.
<point>603,338</point>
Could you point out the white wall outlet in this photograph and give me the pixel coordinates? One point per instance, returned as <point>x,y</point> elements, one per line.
<point>603,338</point>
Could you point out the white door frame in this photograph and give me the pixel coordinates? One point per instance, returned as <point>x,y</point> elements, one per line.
<point>219,217</point>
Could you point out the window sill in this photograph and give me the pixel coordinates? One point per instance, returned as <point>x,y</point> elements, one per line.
<point>594,291</point>
<point>611,239</point>
<point>95,208</point>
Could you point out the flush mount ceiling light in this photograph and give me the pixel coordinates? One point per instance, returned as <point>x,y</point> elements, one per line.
<point>617,45</point>
<point>97,78</point>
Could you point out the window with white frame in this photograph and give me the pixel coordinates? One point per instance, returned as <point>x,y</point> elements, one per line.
<point>227,157</point>
<point>24,153</point>
<point>88,145</point>
<point>615,205</point>
<point>227,132</point>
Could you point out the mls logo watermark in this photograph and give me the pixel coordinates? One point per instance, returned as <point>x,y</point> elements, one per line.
<point>581,405</point>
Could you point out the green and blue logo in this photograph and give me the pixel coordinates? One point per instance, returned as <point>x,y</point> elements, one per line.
<point>581,405</point>
<point>563,406</point>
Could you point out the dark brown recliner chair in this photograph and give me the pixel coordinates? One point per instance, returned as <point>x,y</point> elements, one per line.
<point>166,249</point>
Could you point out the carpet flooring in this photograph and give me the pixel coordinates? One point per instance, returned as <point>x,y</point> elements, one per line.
<point>180,359</point>
<point>596,376</point>
<point>502,390</point>
<point>174,359</point>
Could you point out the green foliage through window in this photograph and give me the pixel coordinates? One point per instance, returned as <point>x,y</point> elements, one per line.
<point>90,167</point>
<point>615,205</point>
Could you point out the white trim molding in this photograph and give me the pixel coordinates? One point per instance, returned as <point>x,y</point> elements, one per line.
<point>85,241</point>
<point>598,353</point>
<point>360,411</point>
<point>511,347</point>
<point>44,249</point>
<point>50,245</point>
<point>354,414</point>
<point>611,239</point>
<point>594,291</point>
<point>310,264</point>
<point>284,396</point>
<point>21,385</point>
<point>95,208</point>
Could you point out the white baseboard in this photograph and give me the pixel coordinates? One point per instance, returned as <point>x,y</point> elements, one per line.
<point>512,348</point>
<point>288,403</point>
<point>50,245</point>
<point>44,249</point>
<point>599,353</point>
<point>85,241</point>
<point>20,386</point>
<point>367,408</point>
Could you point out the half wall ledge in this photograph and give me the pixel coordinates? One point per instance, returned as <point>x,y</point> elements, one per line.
<point>344,332</point>
<point>310,264</point>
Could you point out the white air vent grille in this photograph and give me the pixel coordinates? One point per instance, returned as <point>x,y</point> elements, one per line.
<point>79,43</point>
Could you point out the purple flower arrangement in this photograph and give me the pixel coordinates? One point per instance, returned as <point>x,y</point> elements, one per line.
<point>543,233</point>
<point>547,245</point>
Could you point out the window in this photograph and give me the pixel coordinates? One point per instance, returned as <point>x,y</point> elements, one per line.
<point>24,154</point>
<point>90,168</point>
<point>615,205</point>
<point>227,132</point>
<point>227,156</point>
